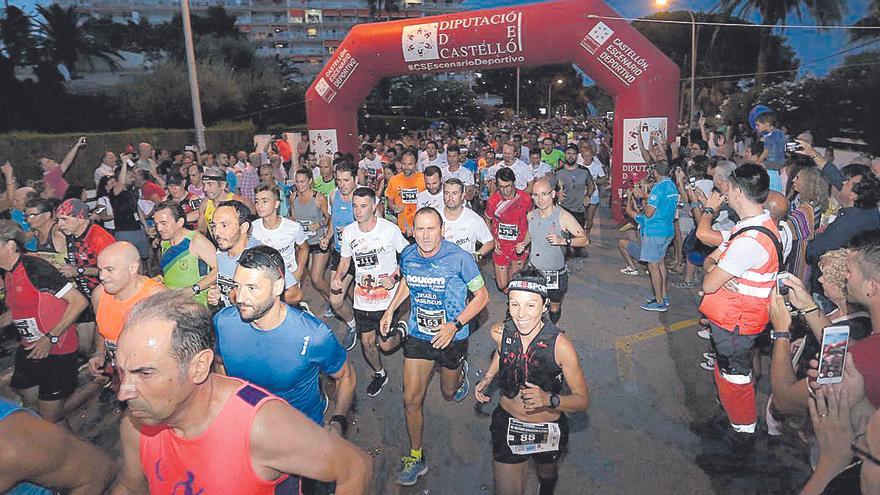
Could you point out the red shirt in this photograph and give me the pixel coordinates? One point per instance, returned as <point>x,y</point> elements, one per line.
<point>284,150</point>
<point>83,251</point>
<point>218,460</point>
<point>509,217</point>
<point>55,179</point>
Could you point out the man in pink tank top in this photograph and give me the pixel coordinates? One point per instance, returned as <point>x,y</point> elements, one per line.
<point>189,430</point>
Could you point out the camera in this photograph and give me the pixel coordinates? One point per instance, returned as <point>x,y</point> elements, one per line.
<point>793,146</point>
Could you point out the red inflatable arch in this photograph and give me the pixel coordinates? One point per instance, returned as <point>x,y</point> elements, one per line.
<point>642,80</point>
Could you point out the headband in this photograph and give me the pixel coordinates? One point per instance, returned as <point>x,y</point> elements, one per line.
<point>528,286</point>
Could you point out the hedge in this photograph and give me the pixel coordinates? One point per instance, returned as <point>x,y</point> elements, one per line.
<point>24,149</point>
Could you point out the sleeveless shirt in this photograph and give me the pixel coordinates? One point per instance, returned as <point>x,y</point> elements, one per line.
<point>341,215</point>
<point>545,256</point>
<point>536,364</point>
<point>306,215</point>
<point>111,313</point>
<point>6,409</point>
<point>218,460</point>
<point>182,269</point>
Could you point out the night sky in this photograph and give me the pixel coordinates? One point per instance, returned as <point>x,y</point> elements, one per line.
<point>808,43</point>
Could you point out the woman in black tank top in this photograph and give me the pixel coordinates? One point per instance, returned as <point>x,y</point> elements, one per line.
<point>533,359</point>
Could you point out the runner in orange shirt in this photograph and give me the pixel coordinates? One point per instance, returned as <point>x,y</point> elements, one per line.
<point>402,190</point>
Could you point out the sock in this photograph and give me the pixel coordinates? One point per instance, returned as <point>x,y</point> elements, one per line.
<point>555,315</point>
<point>351,324</point>
<point>416,454</point>
<point>548,485</point>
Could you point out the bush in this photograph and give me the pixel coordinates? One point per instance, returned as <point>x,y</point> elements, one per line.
<point>24,149</point>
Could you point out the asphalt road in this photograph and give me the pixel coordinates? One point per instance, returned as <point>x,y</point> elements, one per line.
<point>647,394</point>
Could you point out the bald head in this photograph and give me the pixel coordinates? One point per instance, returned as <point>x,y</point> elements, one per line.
<point>118,266</point>
<point>542,184</point>
<point>22,195</point>
<point>777,205</point>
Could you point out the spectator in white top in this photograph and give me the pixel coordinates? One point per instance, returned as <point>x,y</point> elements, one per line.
<point>433,194</point>
<point>107,166</point>
<point>370,168</point>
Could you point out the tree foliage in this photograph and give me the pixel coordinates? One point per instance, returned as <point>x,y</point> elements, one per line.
<point>64,37</point>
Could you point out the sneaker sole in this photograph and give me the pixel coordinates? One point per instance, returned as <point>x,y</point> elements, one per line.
<point>655,310</point>
<point>421,473</point>
<point>353,344</point>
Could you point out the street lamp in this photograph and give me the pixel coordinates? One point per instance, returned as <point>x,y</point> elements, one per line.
<point>664,3</point>
<point>549,88</point>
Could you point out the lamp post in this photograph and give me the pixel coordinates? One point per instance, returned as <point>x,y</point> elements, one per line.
<point>664,3</point>
<point>549,94</point>
<point>193,78</point>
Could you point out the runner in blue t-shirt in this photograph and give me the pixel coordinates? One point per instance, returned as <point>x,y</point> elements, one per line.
<point>437,276</point>
<point>264,341</point>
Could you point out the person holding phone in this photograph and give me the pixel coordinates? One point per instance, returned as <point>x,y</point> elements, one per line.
<point>533,359</point>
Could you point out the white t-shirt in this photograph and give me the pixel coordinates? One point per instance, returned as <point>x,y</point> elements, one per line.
<point>439,161</point>
<point>521,170</point>
<point>284,238</point>
<point>462,174</point>
<point>541,170</point>
<point>425,198</point>
<point>745,252</point>
<point>466,230</point>
<point>372,170</point>
<point>374,255</point>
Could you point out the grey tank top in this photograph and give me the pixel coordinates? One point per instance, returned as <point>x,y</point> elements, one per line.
<point>307,214</point>
<point>543,255</point>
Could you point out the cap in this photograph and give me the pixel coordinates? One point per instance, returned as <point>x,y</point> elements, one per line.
<point>214,173</point>
<point>73,207</point>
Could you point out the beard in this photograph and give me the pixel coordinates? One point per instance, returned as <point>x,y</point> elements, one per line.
<point>259,311</point>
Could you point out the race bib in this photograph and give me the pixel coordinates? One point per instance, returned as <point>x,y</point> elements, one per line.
<point>552,279</point>
<point>508,231</point>
<point>408,196</point>
<point>429,321</point>
<point>366,260</point>
<point>28,330</point>
<point>225,284</point>
<point>305,224</point>
<point>531,438</point>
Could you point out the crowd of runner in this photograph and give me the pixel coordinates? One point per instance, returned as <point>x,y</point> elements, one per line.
<point>178,289</point>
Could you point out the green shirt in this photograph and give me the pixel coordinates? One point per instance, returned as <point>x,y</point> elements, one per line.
<point>322,187</point>
<point>552,158</point>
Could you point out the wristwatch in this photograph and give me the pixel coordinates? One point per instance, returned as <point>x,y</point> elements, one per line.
<point>342,420</point>
<point>80,270</point>
<point>554,401</point>
<point>568,241</point>
<point>196,288</point>
<point>779,335</point>
<point>53,338</point>
<point>458,325</point>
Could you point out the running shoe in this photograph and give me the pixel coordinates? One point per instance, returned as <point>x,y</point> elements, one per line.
<point>401,328</point>
<point>376,384</point>
<point>684,285</point>
<point>704,333</point>
<point>465,387</point>
<point>709,355</point>
<point>412,469</point>
<point>655,306</point>
<point>350,339</point>
<point>708,364</point>
<point>628,270</point>
<point>650,299</point>
<point>304,307</point>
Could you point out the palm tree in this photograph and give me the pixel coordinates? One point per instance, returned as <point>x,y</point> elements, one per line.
<point>776,12</point>
<point>65,37</point>
<point>16,35</point>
